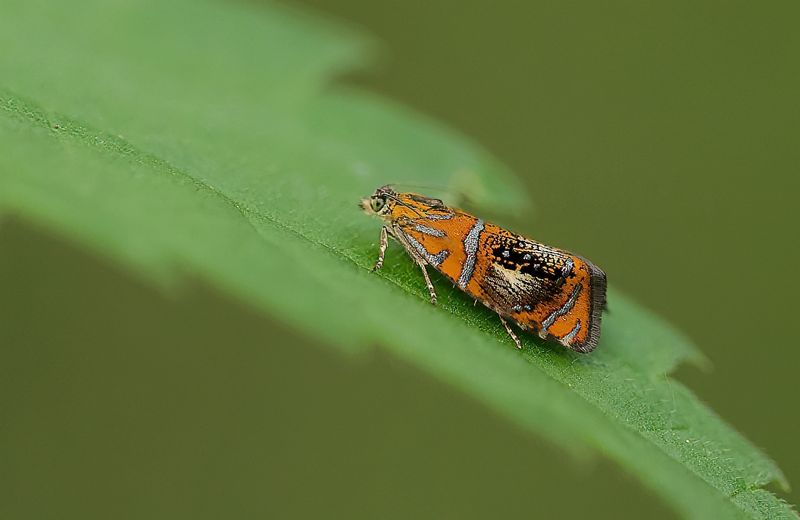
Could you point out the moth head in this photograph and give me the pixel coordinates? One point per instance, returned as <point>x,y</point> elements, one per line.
<point>379,203</point>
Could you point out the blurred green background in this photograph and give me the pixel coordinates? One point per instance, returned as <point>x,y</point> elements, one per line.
<point>660,140</point>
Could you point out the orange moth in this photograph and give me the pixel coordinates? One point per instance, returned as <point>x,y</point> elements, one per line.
<point>545,290</point>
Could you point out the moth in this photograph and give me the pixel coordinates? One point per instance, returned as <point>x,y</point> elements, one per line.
<point>548,291</point>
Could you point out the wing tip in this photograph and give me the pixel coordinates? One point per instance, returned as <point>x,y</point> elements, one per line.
<point>597,286</point>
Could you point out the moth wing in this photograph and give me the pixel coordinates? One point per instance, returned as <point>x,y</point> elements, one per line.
<point>541,288</point>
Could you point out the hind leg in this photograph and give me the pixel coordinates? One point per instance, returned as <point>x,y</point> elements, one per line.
<point>510,332</point>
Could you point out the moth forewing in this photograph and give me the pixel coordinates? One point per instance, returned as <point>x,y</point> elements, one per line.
<point>540,288</point>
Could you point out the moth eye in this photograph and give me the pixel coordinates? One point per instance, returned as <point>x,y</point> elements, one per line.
<point>377,203</point>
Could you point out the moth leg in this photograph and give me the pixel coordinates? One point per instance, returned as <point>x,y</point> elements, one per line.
<point>510,332</point>
<point>420,262</point>
<point>431,290</point>
<point>382,251</point>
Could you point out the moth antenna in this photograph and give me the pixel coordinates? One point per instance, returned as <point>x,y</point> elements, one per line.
<point>422,187</point>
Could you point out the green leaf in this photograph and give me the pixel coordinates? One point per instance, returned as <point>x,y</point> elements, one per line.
<point>198,138</point>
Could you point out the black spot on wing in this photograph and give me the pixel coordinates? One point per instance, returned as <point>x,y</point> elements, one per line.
<point>531,258</point>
